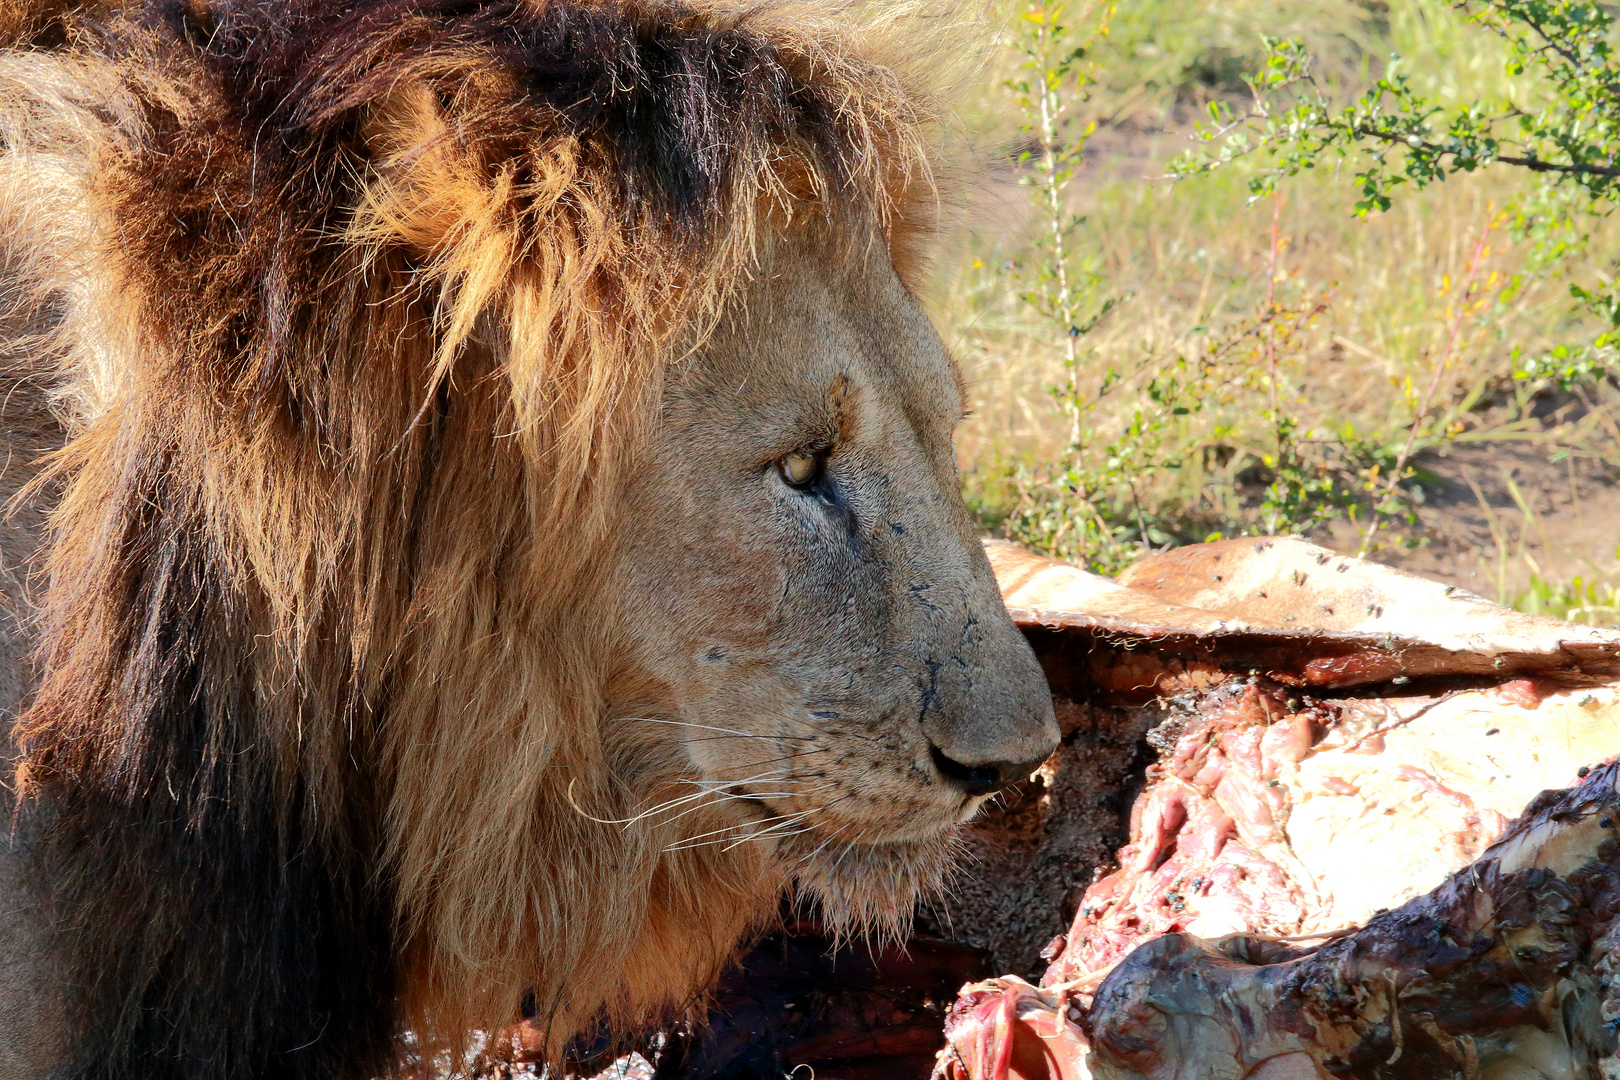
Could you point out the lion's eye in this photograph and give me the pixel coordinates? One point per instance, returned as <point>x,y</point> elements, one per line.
<point>800,468</point>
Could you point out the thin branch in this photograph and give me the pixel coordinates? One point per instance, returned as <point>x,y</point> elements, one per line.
<point>1394,478</point>
<point>1271,324</point>
<point>1540,165</point>
<point>1562,50</point>
<point>1533,164</point>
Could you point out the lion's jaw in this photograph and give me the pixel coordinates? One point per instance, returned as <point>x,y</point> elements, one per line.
<point>837,654</point>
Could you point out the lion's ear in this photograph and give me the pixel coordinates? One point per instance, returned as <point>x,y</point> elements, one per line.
<point>406,139</point>
<point>408,116</point>
<point>433,185</point>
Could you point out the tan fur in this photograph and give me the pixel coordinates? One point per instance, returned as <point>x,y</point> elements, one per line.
<point>484,535</point>
<point>42,278</point>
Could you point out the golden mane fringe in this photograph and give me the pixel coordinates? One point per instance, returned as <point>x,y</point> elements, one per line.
<point>371,327</point>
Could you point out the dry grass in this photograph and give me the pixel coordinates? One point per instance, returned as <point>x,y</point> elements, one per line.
<point>1381,303</point>
<point>1195,259</point>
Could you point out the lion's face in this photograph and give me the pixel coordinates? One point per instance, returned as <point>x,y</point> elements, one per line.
<point>806,578</point>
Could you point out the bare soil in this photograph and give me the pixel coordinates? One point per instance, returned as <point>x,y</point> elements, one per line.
<point>1497,513</point>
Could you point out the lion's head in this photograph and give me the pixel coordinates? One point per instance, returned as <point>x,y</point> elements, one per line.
<point>520,537</point>
<point>802,576</point>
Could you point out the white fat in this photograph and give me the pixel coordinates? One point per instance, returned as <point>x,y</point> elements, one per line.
<point>1392,840</point>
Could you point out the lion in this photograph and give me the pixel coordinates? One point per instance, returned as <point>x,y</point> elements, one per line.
<point>498,527</point>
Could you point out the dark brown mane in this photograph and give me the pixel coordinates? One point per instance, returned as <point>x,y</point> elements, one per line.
<point>402,275</point>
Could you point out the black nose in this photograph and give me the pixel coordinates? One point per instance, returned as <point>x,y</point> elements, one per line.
<point>984,778</point>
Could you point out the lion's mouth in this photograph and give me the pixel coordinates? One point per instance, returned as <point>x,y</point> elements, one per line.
<point>754,802</point>
<point>862,887</point>
<point>971,804</point>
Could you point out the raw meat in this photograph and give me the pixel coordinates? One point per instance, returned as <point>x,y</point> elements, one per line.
<point>1504,972</point>
<point>1302,792</point>
<point>1281,815</point>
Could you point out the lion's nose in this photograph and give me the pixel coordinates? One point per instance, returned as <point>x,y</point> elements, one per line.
<point>984,778</point>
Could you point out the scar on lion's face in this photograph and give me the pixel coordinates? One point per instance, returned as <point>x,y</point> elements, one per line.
<point>843,401</point>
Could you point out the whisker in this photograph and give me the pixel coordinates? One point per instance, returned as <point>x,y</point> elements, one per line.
<point>710,727</point>
<point>774,830</point>
<point>742,734</point>
<point>773,836</point>
<point>771,774</point>
<point>830,838</point>
<point>847,849</point>
<point>774,775</point>
<point>717,738</point>
<point>819,849</point>
<point>719,792</point>
<point>794,756</point>
<point>783,820</point>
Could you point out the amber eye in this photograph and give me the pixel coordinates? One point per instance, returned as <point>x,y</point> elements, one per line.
<point>801,468</point>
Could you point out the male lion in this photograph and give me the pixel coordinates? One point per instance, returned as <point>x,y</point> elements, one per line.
<point>506,533</point>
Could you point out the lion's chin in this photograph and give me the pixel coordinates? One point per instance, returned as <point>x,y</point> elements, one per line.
<point>864,889</point>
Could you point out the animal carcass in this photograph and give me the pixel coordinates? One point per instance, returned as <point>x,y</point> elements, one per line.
<point>1346,860</point>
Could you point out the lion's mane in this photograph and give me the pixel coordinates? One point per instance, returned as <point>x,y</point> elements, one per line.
<point>359,310</point>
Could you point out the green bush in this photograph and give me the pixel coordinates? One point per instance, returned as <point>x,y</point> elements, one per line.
<point>1238,425</point>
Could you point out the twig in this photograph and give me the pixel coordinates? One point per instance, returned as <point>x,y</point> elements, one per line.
<point>1575,168</point>
<point>1271,325</point>
<point>1394,477</point>
<point>1051,110</point>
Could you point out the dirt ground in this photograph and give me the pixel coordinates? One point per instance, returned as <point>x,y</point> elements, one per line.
<point>1496,513</point>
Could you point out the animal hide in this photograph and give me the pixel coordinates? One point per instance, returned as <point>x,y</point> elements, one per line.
<point>1322,877</point>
